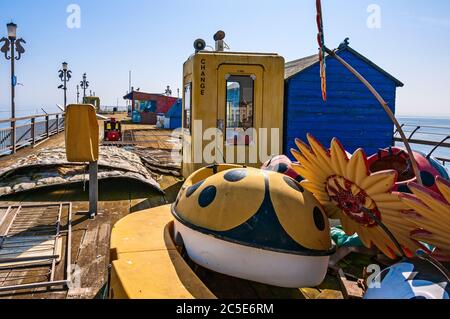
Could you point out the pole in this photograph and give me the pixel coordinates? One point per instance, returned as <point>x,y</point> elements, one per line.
<point>13,106</point>
<point>65,89</point>
<point>386,109</point>
<point>93,188</point>
<point>129,88</point>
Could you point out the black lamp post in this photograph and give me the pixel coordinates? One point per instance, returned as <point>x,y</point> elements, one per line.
<point>65,74</point>
<point>11,45</point>
<point>78,94</point>
<point>84,85</point>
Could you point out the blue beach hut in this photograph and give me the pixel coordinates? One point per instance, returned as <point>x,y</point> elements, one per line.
<point>351,113</point>
<point>173,116</point>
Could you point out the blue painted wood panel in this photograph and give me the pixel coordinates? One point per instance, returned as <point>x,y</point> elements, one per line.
<point>351,113</point>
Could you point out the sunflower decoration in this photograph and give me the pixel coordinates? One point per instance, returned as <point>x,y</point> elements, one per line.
<point>432,220</point>
<point>347,189</point>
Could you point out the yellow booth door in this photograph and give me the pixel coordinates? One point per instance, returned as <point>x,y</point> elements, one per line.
<point>239,112</point>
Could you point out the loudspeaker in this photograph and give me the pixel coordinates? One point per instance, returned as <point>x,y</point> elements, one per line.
<point>220,35</point>
<point>199,45</point>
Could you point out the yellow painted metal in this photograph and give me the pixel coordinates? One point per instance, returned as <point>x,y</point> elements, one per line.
<point>94,100</point>
<point>146,263</point>
<point>206,72</point>
<point>82,133</point>
<point>236,201</point>
<point>299,213</point>
<point>234,204</point>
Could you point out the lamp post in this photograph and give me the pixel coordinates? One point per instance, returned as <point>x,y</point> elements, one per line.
<point>12,45</point>
<point>65,74</point>
<point>78,94</point>
<point>84,85</point>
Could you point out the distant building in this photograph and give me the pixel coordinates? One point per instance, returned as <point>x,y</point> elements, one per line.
<point>173,116</point>
<point>351,113</point>
<point>149,105</point>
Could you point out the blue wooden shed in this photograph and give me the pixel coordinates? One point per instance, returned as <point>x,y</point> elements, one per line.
<point>351,113</point>
<point>173,116</point>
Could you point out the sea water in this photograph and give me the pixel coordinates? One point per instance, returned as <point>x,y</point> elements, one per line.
<point>432,129</point>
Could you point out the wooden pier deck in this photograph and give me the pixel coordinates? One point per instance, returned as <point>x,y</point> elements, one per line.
<point>90,237</point>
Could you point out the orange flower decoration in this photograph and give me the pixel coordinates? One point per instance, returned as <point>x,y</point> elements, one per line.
<point>432,220</point>
<point>346,188</point>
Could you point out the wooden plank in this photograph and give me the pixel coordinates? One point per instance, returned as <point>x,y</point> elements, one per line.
<point>350,289</point>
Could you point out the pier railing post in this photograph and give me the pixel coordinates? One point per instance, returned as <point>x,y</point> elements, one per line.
<point>13,136</point>
<point>33,131</point>
<point>57,123</point>
<point>93,188</point>
<point>47,126</point>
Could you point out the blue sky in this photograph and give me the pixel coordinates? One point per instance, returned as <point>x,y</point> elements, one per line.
<point>153,38</point>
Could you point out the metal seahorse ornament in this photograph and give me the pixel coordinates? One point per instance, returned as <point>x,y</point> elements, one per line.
<point>19,48</point>
<point>6,47</point>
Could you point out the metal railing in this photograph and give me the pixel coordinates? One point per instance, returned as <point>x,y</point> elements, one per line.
<point>19,132</point>
<point>437,137</point>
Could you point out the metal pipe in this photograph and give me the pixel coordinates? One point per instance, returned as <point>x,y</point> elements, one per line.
<point>413,132</point>
<point>25,259</point>
<point>437,146</point>
<point>385,229</point>
<point>69,245</point>
<point>65,89</point>
<point>13,106</point>
<point>35,285</point>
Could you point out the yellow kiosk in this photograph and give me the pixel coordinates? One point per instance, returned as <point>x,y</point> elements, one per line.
<point>82,145</point>
<point>238,94</point>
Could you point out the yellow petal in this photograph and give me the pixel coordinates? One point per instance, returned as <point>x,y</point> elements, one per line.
<point>339,159</point>
<point>444,187</point>
<point>380,182</point>
<point>323,157</point>
<point>348,225</point>
<point>357,169</point>
<point>431,199</point>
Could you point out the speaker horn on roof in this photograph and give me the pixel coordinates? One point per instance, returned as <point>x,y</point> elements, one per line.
<point>199,45</point>
<point>220,35</point>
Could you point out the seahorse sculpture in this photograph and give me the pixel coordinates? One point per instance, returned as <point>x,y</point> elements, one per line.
<point>19,48</point>
<point>6,46</point>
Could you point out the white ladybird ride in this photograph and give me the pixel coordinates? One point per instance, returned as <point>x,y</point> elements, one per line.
<point>255,225</point>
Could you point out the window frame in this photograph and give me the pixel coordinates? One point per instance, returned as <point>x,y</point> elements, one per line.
<point>185,126</point>
<point>252,77</point>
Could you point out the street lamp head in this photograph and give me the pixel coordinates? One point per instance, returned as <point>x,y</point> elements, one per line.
<point>65,66</point>
<point>12,30</point>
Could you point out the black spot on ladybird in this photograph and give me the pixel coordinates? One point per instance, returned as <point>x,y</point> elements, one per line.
<point>282,168</point>
<point>293,184</point>
<point>207,196</point>
<point>404,189</point>
<point>319,219</point>
<point>298,178</point>
<point>191,190</point>
<point>235,175</point>
<point>427,178</point>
